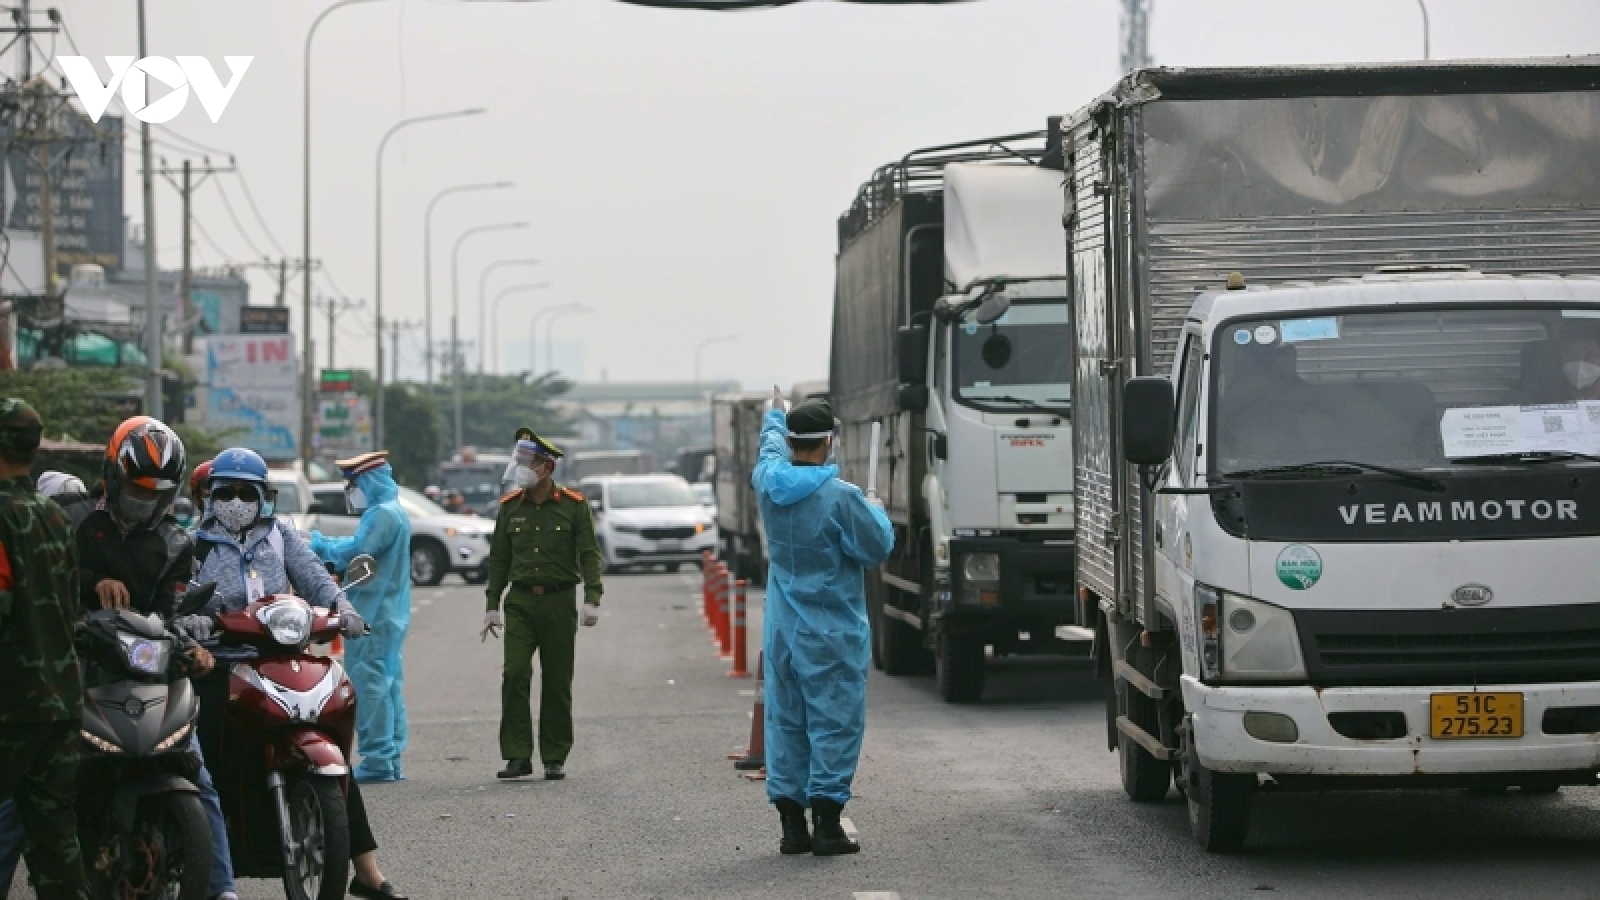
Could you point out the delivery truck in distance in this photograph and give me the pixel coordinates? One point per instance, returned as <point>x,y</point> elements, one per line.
<point>1338,467</point>
<point>950,332</point>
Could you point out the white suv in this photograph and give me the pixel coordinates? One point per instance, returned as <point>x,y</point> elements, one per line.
<point>642,520</point>
<point>440,542</point>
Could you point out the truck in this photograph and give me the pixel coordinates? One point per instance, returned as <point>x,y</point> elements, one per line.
<point>1337,432</point>
<point>736,434</point>
<point>950,335</point>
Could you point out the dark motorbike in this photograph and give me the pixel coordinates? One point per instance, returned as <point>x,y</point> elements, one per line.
<point>141,825</point>
<point>283,745</point>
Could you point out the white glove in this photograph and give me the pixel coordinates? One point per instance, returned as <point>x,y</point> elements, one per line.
<point>492,623</point>
<point>590,616</point>
<point>351,625</point>
<point>197,627</point>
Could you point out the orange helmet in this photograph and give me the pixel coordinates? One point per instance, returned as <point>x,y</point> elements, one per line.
<point>143,469</point>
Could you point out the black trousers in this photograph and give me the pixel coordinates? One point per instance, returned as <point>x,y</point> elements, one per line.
<point>355,810</point>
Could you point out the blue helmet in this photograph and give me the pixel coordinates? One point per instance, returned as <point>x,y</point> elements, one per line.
<point>238,464</point>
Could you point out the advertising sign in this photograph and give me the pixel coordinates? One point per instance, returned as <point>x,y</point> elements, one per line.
<point>87,190</point>
<point>252,386</point>
<point>264,319</point>
<point>344,425</point>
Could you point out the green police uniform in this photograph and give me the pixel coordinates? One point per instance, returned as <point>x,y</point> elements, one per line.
<point>41,707</point>
<point>542,550</point>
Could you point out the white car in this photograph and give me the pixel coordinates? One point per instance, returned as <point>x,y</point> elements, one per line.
<point>642,520</point>
<point>294,497</point>
<point>441,543</point>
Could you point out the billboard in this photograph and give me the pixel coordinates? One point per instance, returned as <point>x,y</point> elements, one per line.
<point>87,168</point>
<point>344,425</point>
<point>252,389</point>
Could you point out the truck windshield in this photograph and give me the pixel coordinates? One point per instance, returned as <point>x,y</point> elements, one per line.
<point>1017,363</point>
<point>1422,389</point>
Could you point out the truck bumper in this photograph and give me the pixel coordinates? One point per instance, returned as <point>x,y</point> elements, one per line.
<point>1224,745</point>
<point>1035,586</point>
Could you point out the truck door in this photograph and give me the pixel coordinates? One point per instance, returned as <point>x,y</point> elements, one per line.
<point>1174,550</point>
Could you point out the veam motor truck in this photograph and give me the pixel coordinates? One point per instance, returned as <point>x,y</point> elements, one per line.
<point>951,333</point>
<point>1337,434</point>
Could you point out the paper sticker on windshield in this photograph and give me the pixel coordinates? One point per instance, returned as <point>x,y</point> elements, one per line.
<point>970,327</point>
<point>1266,334</point>
<point>1299,567</point>
<point>1550,428</point>
<point>1241,337</point>
<point>1325,328</point>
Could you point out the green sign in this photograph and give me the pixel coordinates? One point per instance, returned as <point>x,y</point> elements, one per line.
<point>337,381</point>
<point>1299,567</point>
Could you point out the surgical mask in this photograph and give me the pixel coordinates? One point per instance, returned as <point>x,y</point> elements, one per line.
<point>131,511</point>
<point>356,498</point>
<point>236,515</point>
<point>525,476</point>
<point>1582,375</point>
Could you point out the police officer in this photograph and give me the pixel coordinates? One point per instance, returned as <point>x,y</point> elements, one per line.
<point>543,545</point>
<point>41,707</point>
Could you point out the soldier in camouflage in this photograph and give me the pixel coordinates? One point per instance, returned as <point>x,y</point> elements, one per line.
<point>41,707</point>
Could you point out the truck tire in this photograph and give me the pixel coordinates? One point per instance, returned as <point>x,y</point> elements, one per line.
<point>958,668</point>
<point>1144,778</point>
<point>1219,803</point>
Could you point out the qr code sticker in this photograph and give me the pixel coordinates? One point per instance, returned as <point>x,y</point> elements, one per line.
<point>1594,413</point>
<point>1553,425</point>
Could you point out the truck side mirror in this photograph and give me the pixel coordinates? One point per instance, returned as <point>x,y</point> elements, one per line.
<point>913,354</point>
<point>1148,420</point>
<point>913,398</point>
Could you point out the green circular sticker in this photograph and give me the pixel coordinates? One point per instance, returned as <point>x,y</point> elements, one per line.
<point>1299,567</point>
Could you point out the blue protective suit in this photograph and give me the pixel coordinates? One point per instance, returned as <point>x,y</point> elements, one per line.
<point>374,662</point>
<point>822,535</point>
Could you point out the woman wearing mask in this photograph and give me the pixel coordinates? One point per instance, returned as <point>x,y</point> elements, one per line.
<point>250,554</point>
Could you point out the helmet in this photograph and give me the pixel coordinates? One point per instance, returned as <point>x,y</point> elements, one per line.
<point>199,477</point>
<point>57,484</point>
<point>431,492</point>
<point>238,464</point>
<point>143,469</point>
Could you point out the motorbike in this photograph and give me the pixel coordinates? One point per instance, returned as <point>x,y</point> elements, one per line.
<point>280,760</point>
<point>141,825</point>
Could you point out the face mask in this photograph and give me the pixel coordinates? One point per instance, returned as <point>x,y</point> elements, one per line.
<point>526,476</point>
<point>1582,375</point>
<point>131,512</point>
<point>356,498</point>
<point>236,515</point>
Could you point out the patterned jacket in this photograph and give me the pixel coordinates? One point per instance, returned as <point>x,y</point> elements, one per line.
<point>229,562</point>
<point>38,607</point>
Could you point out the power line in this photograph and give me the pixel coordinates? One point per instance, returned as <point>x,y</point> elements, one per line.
<point>238,226</point>
<point>260,219</point>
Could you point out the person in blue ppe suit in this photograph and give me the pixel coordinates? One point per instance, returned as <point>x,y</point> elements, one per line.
<point>385,602</point>
<point>822,536</point>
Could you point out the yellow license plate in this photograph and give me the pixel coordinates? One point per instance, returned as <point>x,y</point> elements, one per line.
<point>1475,715</point>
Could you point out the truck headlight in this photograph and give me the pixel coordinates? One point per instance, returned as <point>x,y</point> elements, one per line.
<point>1246,639</point>
<point>981,567</point>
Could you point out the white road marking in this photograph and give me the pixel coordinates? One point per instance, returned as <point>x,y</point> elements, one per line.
<point>747,693</point>
<point>849,828</point>
<point>876,895</point>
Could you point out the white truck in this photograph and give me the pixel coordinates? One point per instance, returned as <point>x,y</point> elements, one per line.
<point>1337,381</point>
<point>951,334</point>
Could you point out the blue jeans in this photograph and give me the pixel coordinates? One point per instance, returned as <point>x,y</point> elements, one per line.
<point>12,840</point>
<point>221,861</point>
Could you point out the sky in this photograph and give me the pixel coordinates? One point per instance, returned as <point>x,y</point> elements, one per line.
<point>680,172</point>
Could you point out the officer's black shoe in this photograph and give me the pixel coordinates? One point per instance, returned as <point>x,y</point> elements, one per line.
<point>828,837</point>
<point>554,772</point>
<point>796,834</point>
<point>516,768</point>
<point>385,891</point>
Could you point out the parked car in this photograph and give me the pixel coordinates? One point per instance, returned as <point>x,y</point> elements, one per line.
<point>294,497</point>
<point>441,543</point>
<point>642,520</point>
<point>706,493</point>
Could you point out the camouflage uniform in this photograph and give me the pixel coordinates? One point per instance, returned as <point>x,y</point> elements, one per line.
<point>41,708</point>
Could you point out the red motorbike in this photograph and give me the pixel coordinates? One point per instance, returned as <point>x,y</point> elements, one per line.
<point>281,759</point>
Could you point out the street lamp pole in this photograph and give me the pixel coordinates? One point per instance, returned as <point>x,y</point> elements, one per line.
<point>377,305</point>
<point>1427,29</point>
<point>494,315</point>
<point>533,333</point>
<point>483,285</point>
<point>550,330</point>
<point>720,339</point>
<point>427,263</point>
<point>455,313</point>
<point>305,259</point>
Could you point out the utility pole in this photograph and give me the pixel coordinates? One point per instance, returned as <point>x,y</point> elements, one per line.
<point>280,269</point>
<point>1136,34</point>
<point>154,340</point>
<point>186,190</point>
<point>333,306</point>
<point>395,327</point>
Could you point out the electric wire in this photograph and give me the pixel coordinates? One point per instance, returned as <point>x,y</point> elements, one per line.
<point>238,226</point>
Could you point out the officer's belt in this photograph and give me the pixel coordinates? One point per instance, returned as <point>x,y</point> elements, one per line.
<point>541,589</point>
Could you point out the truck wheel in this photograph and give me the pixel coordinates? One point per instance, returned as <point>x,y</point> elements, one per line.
<point>1219,803</point>
<point>958,668</point>
<point>1144,778</point>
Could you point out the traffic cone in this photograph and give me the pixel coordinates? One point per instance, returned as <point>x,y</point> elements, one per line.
<point>755,756</point>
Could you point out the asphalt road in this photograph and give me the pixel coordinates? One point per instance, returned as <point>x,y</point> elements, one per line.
<point>1015,797</point>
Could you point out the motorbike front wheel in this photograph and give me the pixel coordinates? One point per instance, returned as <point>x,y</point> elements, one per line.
<point>319,827</point>
<point>167,856</point>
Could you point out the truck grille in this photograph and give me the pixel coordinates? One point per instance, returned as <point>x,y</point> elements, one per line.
<point>1457,646</point>
<point>668,534</point>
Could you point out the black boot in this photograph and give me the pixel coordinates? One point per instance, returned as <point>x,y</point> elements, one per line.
<point>516,768</point>
<point>829,838</point>
<point>796,836</point>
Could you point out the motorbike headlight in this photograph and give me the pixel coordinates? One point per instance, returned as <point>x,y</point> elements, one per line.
<point>1245,639</point>
<point>289,621</point>
<point>982,567</point>
<point>145,656</point>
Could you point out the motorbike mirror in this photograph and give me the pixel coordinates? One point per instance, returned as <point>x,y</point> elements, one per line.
<point>196,598</point>
<point>360,571</point>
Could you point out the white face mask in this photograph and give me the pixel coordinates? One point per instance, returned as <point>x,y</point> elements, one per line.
<point>236,515</point>
<point>526,476</point>
<point>1582,375</point>
<point>356,498</point>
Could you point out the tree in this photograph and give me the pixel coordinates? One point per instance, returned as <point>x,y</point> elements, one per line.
<point>493,407</point>
<point>416,432</point>
<point>76,404</point>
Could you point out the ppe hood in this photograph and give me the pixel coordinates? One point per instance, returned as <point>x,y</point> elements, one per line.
<point>791,483</point>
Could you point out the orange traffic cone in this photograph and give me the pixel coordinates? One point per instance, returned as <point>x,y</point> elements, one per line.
<point>755,757</point>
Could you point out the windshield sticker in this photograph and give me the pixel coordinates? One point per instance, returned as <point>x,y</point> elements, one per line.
<point>1266,334</point>
<point>1241,337</point>
<point>1550,428</point>
<point>1299,567</point>
<point>1294,331</point>
<point>970,328</point>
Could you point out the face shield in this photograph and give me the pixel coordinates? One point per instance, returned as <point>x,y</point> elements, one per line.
<point>530,464</point>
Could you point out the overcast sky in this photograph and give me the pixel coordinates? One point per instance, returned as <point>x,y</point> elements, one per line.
<point>681,171</point>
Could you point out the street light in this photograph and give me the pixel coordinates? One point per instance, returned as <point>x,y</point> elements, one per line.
<point>550,329</point>
<point>720,339</point>
<point>494,315</point>
<point>455,311</point>
<point>427,262</point>
<point>377,306</point>
<point>1427,37</point>
<point>483,284</point>
<point>533,333</point>
<point>305,260</point>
